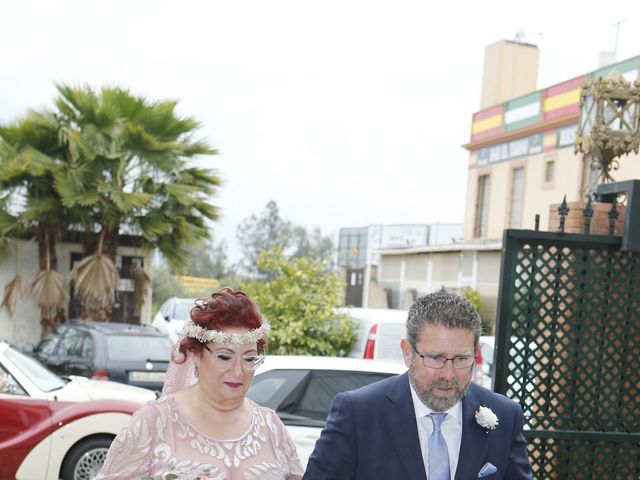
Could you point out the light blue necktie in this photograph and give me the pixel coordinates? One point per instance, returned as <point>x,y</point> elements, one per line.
<point>438,453</point>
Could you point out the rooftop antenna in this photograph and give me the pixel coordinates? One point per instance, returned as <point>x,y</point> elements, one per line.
<point>617,25</point>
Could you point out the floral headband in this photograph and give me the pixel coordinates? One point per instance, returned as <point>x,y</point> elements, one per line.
<point>205,335</point>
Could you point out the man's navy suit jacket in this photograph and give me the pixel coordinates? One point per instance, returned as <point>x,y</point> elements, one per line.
<point>371,433</point>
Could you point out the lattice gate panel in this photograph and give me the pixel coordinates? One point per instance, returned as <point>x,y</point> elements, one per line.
<point>568,349</point>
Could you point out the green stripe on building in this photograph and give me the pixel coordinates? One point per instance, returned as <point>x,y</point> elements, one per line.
<point>523,111</point>
<point>526,100</point>
<point>622,67</point>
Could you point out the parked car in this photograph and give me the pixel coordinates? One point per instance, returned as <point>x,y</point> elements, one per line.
<point>379,331</point>
<point>171,317</point>
<point>52,428</point>
<point>300,389</point>
<point>133,354</point>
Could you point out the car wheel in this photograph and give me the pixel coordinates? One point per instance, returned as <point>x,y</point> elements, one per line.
<point>85,460</point>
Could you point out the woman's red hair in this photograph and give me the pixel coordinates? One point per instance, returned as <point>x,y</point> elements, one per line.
<point>225,309</point>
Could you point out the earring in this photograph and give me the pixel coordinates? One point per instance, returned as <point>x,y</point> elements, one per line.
<point>195,370</point>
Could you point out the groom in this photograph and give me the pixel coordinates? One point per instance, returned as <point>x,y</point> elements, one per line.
<point>430,422</point>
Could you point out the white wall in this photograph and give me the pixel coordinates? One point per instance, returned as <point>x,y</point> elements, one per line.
<point>24,326</point>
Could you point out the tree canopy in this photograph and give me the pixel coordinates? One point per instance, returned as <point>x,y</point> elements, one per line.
<point>271,231</point>
<point>299,302</point>
<point>104,164</point>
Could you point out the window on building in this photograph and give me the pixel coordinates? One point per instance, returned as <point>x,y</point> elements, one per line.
<point>482,207</point>
<point>467,260</point>
<point>549,171</point>
<point>352,247</point>
<point>517,198</point>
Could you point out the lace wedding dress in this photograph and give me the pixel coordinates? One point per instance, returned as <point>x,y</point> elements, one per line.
<point>159,441</point>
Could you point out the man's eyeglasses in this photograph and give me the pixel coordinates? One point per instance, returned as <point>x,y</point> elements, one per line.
<point>439,361</point>
<point>226,360</point>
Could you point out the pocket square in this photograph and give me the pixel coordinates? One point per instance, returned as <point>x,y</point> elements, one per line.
<point>486,470</point>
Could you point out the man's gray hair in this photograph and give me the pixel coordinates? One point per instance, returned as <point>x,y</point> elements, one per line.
<point>442,308</point>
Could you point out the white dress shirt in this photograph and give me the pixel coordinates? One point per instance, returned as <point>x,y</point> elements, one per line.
<point>451,430</point>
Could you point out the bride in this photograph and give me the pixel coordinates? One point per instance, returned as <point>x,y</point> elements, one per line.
<point>203,427</point>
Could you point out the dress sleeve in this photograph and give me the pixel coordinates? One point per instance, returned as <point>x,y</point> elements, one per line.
<point>129,456</point>
<point>287,449</point>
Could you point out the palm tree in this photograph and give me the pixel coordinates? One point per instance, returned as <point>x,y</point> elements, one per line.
<point>30,154</point>
<point>127,172</point>
<point>104,164</point>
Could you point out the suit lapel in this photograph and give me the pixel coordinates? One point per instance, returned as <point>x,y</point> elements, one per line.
<point>402,428</point>
<point>474,439</point>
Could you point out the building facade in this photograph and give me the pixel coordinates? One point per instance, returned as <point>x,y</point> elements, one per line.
<point>521,163</point>
<point>359,257</point>
<point>522,160</point>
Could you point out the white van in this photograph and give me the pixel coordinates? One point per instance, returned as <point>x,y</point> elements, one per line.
<point>379,333</point>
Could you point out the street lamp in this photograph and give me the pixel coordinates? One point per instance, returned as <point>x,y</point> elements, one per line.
<point>609,122</point>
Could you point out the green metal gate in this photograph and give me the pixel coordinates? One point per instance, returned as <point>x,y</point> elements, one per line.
<point>568,350</point>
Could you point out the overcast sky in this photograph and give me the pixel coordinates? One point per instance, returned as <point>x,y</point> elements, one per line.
<point>346,113</point>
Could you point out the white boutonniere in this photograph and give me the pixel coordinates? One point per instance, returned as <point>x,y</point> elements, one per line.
<point>486,418</point>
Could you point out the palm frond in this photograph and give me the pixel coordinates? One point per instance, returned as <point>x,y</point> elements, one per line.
<point>50,292</point>
<point>74,186</point>
<point>79,146</point>
<point>153,224</point>
<point>208,211</point>
<point>14,291</point>
<point>126,202</point>
<point>7,221</point>
<point>41,207</point>
<point>95,279</point>
<point>183,194</point>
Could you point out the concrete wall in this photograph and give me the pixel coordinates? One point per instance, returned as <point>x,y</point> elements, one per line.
<point>24,326</point>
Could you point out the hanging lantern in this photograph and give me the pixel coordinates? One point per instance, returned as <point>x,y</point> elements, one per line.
<point>609,122</point>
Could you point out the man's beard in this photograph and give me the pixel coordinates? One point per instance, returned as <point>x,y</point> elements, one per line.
<point>428,396</point>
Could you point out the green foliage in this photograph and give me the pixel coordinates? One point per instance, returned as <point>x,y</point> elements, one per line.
<point>127,158</point>
<point>474,297</point>
<point>106,161</point>
<point>299,302</point>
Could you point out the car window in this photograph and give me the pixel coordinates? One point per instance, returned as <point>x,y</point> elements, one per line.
<point>85,346</point>
<point>41,376</point>
<point>269,389</point>
<point>76,343</point>
<point>48,345</point>
<point>323,386</point>
<point>138,348</point>
<point>9,385</point>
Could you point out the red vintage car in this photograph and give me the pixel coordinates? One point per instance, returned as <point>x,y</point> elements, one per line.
<point>51,427</point>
